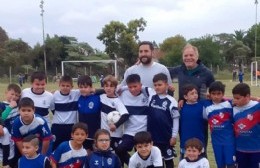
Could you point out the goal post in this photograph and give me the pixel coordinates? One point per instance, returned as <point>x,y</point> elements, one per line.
<point>254,73</point>
<point>90,61</point>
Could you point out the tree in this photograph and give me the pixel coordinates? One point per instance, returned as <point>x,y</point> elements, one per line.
<point>3,37</point>
<point>250,40</point>
<point>209,51</point>
<point>172,47</point>
<point>239,35</point>
<point>120,40</point>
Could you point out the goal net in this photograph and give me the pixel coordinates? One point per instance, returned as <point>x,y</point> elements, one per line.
<point>93,68</point>
<point>255,73</point>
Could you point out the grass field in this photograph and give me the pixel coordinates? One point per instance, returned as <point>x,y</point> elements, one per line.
<point>255,91</point>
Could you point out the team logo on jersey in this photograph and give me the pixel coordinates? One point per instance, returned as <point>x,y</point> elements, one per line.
<point>109,161</point>
<point>45,132</point>
<point>169,152</point>
<point>214,121</point>
<point>90,105</point>
<point>96,162</point>
<point>164,104</point>
<point>144,100</point>
<point>241,126</point>
<point>221,115</point>
<point>44,102</point>
<point>250,117</point>
<point>138,165</point>
<point>70,97</point>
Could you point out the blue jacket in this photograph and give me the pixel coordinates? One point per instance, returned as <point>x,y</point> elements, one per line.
<point>103,159</point>
<point>201,77</point>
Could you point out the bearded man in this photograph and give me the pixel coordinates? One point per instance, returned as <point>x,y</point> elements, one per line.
<point>147,68</point>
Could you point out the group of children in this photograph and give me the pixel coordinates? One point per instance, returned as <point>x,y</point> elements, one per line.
<point>79,134</point>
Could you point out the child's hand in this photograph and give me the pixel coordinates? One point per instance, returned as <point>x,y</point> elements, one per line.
<point>1,130</point>
<point>112,127</point>
<point>6,166</point>
<point>180,104</point>
<point>13,104</point>
<point>173,141</point>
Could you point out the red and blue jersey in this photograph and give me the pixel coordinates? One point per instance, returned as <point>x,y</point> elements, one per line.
<point>220,119</point>
<point>247,127</point>
<point>66,157</point>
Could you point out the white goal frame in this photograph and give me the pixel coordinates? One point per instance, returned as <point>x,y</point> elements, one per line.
<point>90,61</point>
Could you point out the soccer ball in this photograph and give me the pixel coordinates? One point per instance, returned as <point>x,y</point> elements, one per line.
<point>113,117</point>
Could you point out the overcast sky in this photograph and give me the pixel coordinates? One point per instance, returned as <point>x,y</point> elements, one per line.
<point>84,19</point>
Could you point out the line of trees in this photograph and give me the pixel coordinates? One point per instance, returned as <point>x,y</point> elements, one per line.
<point>121,42</point>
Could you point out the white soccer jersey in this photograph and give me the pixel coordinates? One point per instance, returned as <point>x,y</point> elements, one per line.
<point>202,163</point>
<point>66,107</point>
<point>42,102</point>
<point>109,104</point>
<point>137,107</point>
<point>6,140</point>
<point>155,159</point>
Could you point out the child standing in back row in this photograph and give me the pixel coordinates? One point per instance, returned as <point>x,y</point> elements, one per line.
<point>246,126</point>
<point>219,114</point>
<point>89,107</point>
<point>110,102</point>
<point>65,115</point>
<point>43,100</point>
<point>163,115</point>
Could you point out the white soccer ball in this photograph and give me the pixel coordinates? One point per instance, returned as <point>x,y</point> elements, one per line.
<point>113,117</point>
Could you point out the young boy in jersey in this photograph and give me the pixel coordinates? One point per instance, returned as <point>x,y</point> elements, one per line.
<point>146,154</point>
<point>31,158</point>
<point>43,100</point>
<point>219,114</point>
<point>29,123</point>
<point>110,102</point>
<point>89,107</point>
<point>193,157</point>
<point>71,153</point>
<point>8,108</point>
<point>247,128</point>
<point>65,115</point>
<point>163,119</point>
<point>8,111</point>
<point>192,122</point>
<point>136,100</point>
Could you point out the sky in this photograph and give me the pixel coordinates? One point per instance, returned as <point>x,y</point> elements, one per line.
<point>84,19</point>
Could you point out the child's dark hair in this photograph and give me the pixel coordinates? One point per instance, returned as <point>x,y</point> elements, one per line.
<point>38,75</point>
<point>31,138</point>
<point>188,87</point>
<point>80,125</point>
<point>133,78</point>
<point>194,143</point>
<point>160,76</point>
<point>85,80</point>
<point>241,89</point>
<point>14,87</point>
<point>110,79</point>
<point>100,132</point>
<point>217,86</point>
<point>142,137</point>
<point>66,78</point>
<point>147,43</point>
<point>26,102</point>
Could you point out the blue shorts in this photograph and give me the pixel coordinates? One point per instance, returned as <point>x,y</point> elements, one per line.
<point>248,160</point>
<point>127,143</point>
<point>224,155</point>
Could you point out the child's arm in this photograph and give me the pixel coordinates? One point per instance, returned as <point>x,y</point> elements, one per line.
<point>175,129</point>
<point>8,109</point>
<point>19,145</point>
<point>53,164</point>
<point>45,146</point>
<point>6,152</point>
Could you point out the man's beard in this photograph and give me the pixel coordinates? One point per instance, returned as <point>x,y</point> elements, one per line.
<point>145,60</point>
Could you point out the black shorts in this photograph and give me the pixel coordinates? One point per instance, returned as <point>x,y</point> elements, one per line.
<point>168,151</point>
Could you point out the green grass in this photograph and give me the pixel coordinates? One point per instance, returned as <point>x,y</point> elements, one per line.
<point>255,91</point>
